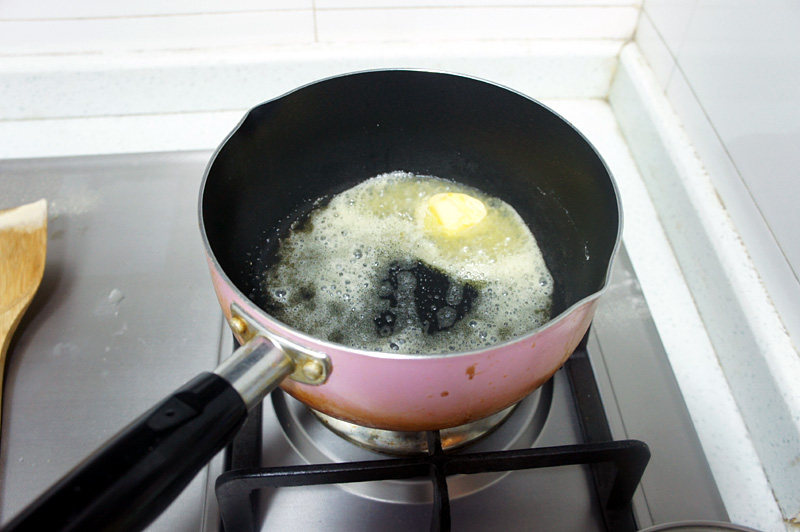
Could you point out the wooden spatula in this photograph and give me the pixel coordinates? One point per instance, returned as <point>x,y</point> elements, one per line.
<point>23,246</point>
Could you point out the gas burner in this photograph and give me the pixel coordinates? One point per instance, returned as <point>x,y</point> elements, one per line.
<point>520,452</point>
<point>570,472</point>
<point>402,443</point>
<point>318,438</point>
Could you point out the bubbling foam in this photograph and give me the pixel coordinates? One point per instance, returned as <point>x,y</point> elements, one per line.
<point>369,271</point>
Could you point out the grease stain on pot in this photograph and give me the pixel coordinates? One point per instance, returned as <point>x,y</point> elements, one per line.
<point>471,372</point>
<point>445,393</point>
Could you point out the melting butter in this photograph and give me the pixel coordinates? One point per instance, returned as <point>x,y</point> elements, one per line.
<point>329,280</point>
<point>452,212</point>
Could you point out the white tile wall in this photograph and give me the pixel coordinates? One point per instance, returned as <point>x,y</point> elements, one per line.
<point>58,9</point>
<point>101,85</point>
<point>409,24</point>
<point>41,9</point>
<point>737,316</point>
<point>673,17</point>
<point>735,86</point>
<point>53,27</point>
<point>96,35</point>
<point>735,73</point>
<point>337,4</point>
<point>653,47</point>
<point>95,58</point>
<point>743,63</point>
<point>752,225</point>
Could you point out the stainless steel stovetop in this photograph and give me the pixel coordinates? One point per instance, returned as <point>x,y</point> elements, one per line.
<point>126,314</point>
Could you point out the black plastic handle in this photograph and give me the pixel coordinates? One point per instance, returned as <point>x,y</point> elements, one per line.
<point>129,481</point>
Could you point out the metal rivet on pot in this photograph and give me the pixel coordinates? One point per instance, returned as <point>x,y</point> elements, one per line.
<point>238,325</point>
<point>313,370</point>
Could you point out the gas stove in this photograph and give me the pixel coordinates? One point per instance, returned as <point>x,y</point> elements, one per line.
<point>126,314</point>
<point>437,490</point>
<point>561,460</point>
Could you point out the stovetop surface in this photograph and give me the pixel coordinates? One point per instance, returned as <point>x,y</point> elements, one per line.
<point>542,499</point>
<point>126,313</point>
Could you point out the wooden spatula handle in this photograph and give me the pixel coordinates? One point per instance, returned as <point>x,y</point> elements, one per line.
<point>9,319</point>
<point>23,247</point>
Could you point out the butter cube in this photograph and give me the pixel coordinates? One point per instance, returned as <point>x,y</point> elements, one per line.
<point>453,212</point>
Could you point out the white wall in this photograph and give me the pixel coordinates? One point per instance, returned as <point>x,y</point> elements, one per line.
<point>731,69</point>
<point>170,74</point>
<point>90,26</point>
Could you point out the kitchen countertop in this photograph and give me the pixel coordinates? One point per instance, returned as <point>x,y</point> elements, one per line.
<point>78,202</point>
<point>124,314</point>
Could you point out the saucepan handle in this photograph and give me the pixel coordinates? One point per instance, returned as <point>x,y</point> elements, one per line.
<point>129,481</point>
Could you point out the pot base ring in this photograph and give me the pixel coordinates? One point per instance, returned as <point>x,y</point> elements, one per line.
<point>405,443</point>
<point>316,442</point>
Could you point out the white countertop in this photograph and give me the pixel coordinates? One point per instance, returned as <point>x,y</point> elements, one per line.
<point>127,103</point>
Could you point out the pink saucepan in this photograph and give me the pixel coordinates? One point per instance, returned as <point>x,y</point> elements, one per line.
<point>284,157</point>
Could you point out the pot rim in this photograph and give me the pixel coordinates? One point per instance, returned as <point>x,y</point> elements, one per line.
<point>702,524</point>
<point>272,323</point>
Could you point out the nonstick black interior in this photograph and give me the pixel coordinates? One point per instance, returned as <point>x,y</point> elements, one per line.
<point>331,135</point>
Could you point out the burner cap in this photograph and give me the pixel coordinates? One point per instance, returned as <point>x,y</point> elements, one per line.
<point>403,443</point>
<point>319,438</point>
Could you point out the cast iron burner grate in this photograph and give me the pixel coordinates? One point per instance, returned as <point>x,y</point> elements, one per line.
<point>617,466</point>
